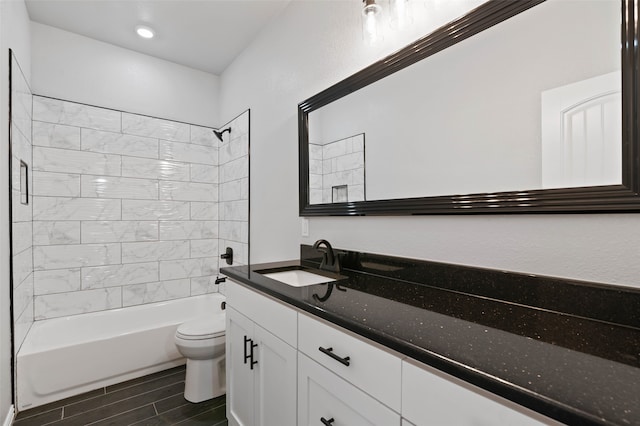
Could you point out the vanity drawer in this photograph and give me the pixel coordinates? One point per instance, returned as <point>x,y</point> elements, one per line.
<point>431,397</point>
<point>324,398</point>
<point>270,314</point>
<point>371,368</point>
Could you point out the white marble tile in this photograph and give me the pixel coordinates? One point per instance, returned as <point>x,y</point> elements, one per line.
<point>357,142</point>
<point>327,166</point>
<point>188,230</point>
<point>22,266</point>
<point>78,302</point>
<point>68,161</point>
<point>336,149</point>
<point>154,251</point>
<point>56,184</point>
<point>240,125</point>
<point>118,143</point>
<point>315,196</point>
<point>154,210</point>
<point>234,150</point>
<point>175,269</point>
<point>189,153</point>
<point>204,285</point>
<point>118,275</point>
<point>315,167</point>
<point>119,231</point>
<point>203,136</point>
<point>56,232</point>
<point>234,231</point>
<point>119,187</point>
<point>204,211</point>
<point>187,191</point>
<point>155,292</point>
<point>22,295</point>
<point>356,193</point>
<point>204,248</point>
<point>154,169</point>
<point>315,152</point>
<point>234,210</point>
<point>139,125</point>
<point>22,238</point>
<point>315,181</point>
<point>54,208</point>
<point>233,170</point>
<point>74,114</point>
<point>21,212</point>
<point>56,281</point>
<point>75,255</point>
<point>240,252</point>
<point>349,162</point>
<point>235,190</point>
<point>21,327</point>
<point>204,173</point>
<point>56,135</point>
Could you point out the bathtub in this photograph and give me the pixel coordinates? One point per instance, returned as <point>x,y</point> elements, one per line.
<point>62,357</point>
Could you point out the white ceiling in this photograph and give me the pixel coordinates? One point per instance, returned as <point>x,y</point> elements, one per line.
<point>201,34</point>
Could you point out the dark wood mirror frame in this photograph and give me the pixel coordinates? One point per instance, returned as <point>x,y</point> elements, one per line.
<point>592,199</point>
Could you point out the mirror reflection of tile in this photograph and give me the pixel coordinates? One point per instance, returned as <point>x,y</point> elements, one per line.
<point>336,171</point>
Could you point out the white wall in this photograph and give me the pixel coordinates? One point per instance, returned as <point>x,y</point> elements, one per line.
<point>312,45</point>
<point>14,34</point>
<point>72,67</point>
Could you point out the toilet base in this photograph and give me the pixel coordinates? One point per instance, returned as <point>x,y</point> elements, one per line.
<point>205,379</point>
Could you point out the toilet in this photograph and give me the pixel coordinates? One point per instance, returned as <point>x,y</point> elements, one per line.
<point>202,342</point>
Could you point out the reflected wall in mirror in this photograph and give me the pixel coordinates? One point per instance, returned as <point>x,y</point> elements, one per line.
<point>336,170</point>
<point>520,114</point>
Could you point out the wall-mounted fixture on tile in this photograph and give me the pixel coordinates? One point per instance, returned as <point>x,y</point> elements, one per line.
<point>24,183</point>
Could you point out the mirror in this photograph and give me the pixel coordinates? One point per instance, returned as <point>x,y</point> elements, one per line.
<point>515,107</point>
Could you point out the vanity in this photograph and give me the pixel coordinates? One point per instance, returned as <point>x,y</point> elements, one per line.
<point>393,341</point>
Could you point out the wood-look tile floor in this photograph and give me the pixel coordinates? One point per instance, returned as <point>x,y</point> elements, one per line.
<point>152,400</point>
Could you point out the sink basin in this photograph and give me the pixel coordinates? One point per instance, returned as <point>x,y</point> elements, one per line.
<point>298,277</point>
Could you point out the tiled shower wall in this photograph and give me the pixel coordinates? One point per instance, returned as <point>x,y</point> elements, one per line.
<point>125,209</point>
<point>338,163</point>
<point>234,190</point>
<point>21,214</point>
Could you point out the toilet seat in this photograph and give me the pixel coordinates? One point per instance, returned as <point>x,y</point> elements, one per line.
<point>202,328</point>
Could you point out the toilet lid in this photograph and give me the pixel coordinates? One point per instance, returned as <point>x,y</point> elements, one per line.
<point>203,327</point>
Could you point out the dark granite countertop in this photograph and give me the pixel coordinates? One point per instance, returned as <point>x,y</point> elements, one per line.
<point>567,349</point>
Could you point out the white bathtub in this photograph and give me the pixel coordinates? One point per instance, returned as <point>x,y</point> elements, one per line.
<point>62,357</point>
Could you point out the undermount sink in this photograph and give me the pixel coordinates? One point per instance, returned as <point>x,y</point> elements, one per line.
<point>297,277</point>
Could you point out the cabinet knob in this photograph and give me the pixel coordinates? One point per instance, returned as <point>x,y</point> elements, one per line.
<point>327,422</point>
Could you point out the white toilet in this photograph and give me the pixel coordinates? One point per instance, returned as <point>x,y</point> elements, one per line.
<point>201,341</point>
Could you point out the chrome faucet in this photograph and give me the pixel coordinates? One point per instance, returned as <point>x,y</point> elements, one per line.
<point>330,262</point>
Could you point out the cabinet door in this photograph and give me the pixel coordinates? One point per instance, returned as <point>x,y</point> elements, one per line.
<point>275,380</point>
<point>324,395</point>
<point>240,383</point>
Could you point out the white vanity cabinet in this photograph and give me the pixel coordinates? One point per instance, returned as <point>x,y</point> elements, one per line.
<point>312,372</point>
<point>431,397</point>
<point>261,364</point>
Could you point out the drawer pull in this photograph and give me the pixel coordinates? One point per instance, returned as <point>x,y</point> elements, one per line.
<point>329,351</point>
<point>327,422</point>
<point>246,355</point>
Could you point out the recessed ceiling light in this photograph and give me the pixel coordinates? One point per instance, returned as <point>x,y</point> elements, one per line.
<point>144,32</point>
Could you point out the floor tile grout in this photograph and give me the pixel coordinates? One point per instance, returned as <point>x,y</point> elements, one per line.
<point>124,399</point>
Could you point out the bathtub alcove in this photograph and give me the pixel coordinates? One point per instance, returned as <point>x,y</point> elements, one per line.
<point>67,356</point>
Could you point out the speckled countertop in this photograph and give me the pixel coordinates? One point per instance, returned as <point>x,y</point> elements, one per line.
<point>567,349</point>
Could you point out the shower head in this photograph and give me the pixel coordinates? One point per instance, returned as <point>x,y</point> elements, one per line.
<point>219,133</point>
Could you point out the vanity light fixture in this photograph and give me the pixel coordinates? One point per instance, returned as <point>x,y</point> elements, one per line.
<point>144,32</point>
<point>371,17</point>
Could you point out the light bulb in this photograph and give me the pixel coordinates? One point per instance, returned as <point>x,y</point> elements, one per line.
<point>371,21</point>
